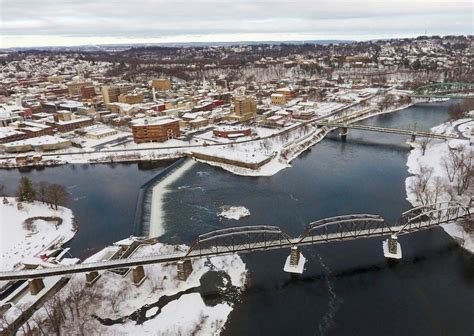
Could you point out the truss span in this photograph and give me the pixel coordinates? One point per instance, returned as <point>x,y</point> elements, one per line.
<point>427,216</point>
<point>239,239</point>
<point>262,237</point>
<point>444,89</point>
<point>344,228</point>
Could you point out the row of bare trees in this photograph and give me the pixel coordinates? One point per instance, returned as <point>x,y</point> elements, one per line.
<point>459,167</point>
<point>67,313</point>
<point>52,194</point>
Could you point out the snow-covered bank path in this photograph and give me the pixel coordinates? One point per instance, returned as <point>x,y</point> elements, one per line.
<point>431,166</point>
<point>158,194</point>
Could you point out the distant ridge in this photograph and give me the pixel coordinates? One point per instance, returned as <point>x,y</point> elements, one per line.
<point>121,47</point>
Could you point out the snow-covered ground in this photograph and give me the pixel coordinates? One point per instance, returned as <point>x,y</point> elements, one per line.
<point>433,158</point>
<point>159,192</point>
<point>22,243</point>
<point>114,296</point>
<point>233,212</point>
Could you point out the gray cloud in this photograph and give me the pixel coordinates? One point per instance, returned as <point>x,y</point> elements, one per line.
<point>99,20</point>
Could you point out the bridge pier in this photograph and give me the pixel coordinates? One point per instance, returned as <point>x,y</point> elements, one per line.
<point>412,140</point>
<point>185,268</point>
<point>295,261</point>
<point>138,275</point>
<point>392,248</point>
<point>92,277</point>
<point>35,286</point>
<point>343,133</point>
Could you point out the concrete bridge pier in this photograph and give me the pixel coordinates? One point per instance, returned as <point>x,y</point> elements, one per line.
<point>138,275</point>
<point>392,248</point>
<point>92,277</point>
<point>343,133</point>
<point>185,268</point>
<point>412,143</point>
<point>295,261</point>
<point>35,286</point>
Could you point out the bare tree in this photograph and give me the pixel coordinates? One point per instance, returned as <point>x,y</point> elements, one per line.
<point>425,176</point>
<point>54,316</point>
<point>57,195</point>
<point>420,186</point>
<point>42,191</point>
<point>438,187</point>
<point>117,296</point>
<point>465,172</point>
<point>451,163</point>
<point>424,142</point>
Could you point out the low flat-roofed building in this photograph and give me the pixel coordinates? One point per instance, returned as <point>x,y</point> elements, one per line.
<point>156,129</point>
<point>42,143</point>
<point>199,122</point>
<point>34,129</point>
<point>11,113</point>
<point>161,84</point>
<point>231,131</point>
<point>70,105</point>
<point>97,132</point>
<point>71,125</point>
<point>131,98</point>
<point>41,115</point>
<point>278,99</point>
<point>9,134</point>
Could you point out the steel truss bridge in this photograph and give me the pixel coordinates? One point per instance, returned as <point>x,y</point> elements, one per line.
<point>445,90</point>
<point>370,128</point>
<point>247,239</point>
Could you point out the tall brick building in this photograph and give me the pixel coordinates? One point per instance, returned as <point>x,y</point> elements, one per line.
<point>156,129</point>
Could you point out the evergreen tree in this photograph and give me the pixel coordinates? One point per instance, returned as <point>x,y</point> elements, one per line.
<point>26,192</point>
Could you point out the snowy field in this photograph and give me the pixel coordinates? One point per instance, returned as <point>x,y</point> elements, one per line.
<point>434,158</point>
<point>22,243</point>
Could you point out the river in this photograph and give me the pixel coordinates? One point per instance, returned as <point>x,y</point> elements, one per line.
<point>347,288</point>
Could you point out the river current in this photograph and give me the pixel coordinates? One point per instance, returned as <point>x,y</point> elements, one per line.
<point>347,288</point>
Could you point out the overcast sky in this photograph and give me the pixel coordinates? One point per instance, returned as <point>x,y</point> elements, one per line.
<point>26,23</point>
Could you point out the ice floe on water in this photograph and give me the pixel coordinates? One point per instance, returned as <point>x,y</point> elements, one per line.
<point>233,212</point>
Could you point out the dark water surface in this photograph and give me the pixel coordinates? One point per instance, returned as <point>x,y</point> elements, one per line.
<point>347,288</point>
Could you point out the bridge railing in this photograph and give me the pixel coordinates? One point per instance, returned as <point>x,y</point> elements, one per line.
<point>430,215</point>
<point>444,88</point>
<point>238,239</point>
<point>344,228</point>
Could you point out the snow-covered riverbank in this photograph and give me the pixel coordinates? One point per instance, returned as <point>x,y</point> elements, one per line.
<point>440,187</point>
<point>284,152</point>
<point>28,231</point>
<point>185,312</point>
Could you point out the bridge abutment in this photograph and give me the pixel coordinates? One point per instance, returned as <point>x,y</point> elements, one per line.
<point>343,133</point>
<point>92,277</point>
<point>35,286</point>
<point>295,261</point>
<point>185,268</point>
<point>138,275</point>
<point>392,248</point>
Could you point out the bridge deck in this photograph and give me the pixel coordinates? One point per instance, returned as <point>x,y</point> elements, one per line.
<point>210,252</point>
<point>389,130</point>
